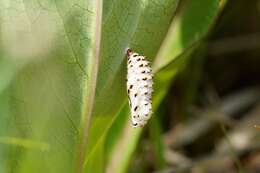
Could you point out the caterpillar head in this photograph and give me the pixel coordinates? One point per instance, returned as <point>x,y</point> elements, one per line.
<point>129,52</point>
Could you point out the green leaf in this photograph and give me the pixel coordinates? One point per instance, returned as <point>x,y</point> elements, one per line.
<point>21,30</point>
<point>190,26</point>
<point>187,29</point>
<point>155,133</point>
<point>129,23</point>
<point>46,44</point>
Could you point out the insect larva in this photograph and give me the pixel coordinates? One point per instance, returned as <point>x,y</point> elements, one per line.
<point>139,88</point>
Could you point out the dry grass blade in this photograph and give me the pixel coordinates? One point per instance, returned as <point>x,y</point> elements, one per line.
<point>257,126</point>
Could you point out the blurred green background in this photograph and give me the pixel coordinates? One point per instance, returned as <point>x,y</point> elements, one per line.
<point>63,102</point>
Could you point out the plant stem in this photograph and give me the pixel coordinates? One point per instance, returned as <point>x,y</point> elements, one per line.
<point>90,86</point>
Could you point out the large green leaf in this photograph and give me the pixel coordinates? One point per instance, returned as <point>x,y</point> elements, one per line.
<point>45,45</point>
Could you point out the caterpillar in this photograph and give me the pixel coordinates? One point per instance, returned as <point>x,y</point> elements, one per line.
<point>139,88</point>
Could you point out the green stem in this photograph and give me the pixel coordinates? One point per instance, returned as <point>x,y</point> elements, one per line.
<point>90,86</point>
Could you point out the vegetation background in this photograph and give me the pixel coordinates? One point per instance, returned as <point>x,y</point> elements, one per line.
<point>63,103</point>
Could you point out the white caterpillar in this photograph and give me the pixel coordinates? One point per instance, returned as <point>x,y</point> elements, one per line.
<point>139,88</point>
